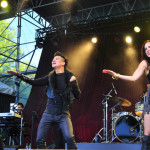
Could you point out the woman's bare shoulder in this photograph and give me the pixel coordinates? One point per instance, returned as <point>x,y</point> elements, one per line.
<point>144,63</point>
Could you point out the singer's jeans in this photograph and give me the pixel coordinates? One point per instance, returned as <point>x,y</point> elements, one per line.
<point>65,124</point>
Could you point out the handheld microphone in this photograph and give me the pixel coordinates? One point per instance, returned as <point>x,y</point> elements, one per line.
<point>114,88</point>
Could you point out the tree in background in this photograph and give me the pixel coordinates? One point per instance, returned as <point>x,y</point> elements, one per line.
<point>8,59</point>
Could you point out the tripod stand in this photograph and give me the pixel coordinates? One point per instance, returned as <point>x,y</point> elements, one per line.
<point>112,121</point>
<point>105,117</point>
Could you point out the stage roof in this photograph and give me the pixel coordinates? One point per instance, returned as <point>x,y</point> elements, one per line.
<point>47,8</point>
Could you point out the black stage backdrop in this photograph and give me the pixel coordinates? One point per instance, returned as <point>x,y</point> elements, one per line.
<point>87,112</point>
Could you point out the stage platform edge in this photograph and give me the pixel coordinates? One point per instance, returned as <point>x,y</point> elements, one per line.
<point>99,146</point>
<point>108,146</point>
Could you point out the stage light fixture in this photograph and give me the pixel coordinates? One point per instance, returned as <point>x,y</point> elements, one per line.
<point>128,39</point>
<point>94,40</point>
<point>39,43</point>
<point>4,3</point>
<point>137,29</point>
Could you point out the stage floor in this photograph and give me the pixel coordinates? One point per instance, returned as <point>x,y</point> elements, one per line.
<point>99,146</point>
<point>108,146</point>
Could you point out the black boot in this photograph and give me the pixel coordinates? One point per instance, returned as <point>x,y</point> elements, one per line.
<point>146,143</point>
<point>41,145</point>
<point>71,144</point>
<point>1,144</point>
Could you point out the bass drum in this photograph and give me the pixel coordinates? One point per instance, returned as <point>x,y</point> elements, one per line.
<point>119,114</point>
<point>127,129</point>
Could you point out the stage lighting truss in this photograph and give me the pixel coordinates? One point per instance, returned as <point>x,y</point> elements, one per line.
<point>96,26</point>
<point>107,24</point>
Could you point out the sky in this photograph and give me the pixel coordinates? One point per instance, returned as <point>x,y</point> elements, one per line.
<point>28,32</point>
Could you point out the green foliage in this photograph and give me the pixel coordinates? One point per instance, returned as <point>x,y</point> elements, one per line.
<point>9,48</point>
<point>6,46</point>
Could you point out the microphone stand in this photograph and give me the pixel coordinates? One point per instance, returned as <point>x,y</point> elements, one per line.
<point>21,124</point>
<point>105,116</point>
<point>34,117</point>
<point>32,130</point>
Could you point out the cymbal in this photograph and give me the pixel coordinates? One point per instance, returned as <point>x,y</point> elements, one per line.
<point>122,101</point>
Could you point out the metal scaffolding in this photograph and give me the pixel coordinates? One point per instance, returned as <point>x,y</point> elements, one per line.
<point>117,9</point>
<point>95,17</point>
<point>121,8</point>
<point>15,48</point>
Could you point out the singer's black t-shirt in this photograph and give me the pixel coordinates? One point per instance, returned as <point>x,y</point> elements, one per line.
<point>55,105</point>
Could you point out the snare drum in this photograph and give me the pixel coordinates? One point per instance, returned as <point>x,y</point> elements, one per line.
<point>139,108</point>
<point>127,129</point>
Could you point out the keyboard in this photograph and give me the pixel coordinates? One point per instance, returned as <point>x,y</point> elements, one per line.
<point>12,114</point>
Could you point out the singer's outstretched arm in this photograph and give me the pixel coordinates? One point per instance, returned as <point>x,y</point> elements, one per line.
<point>40,81</point>
<point>136,75</point>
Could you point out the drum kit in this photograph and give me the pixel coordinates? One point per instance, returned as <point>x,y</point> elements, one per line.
<point>125,127</point>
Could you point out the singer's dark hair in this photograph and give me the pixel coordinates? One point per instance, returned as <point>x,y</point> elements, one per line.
<point>143,54</point>
<point>21,105</point>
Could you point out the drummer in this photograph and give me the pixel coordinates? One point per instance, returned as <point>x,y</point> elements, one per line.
<point>143,68</point>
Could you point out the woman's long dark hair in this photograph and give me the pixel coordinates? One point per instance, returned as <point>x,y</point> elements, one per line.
<point>143,54</point>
